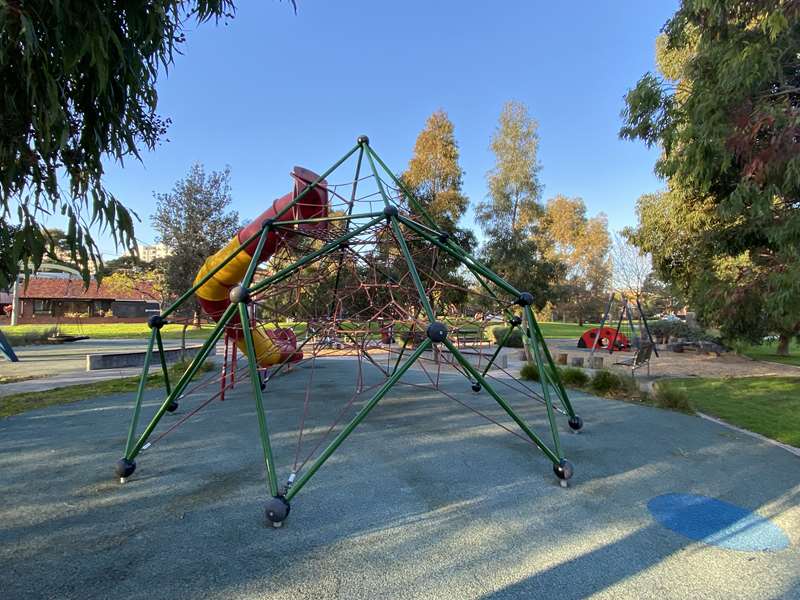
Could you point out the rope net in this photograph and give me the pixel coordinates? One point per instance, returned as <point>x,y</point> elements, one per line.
<point>360,302</point>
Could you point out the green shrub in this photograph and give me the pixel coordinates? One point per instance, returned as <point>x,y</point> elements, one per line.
<point>672,398</point>
<point>664,329</point>
<point>529,371</point>
<point>605,382</point>
<point>513,341</point>
<point>573,376</point>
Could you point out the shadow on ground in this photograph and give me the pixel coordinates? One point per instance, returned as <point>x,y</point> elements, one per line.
<point>425,500</point>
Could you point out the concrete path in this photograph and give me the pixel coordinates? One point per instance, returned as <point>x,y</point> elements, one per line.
<point>425,500</point>
<point>59,365</point>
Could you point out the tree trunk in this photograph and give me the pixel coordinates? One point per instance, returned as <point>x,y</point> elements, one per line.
<point>783,344</point>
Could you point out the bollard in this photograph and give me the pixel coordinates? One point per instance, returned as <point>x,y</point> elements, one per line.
<point>577,361</point>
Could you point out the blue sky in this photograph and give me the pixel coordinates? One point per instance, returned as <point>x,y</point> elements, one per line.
<point>271,89</point>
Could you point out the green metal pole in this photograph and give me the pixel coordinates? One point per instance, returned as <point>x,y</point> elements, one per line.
<point>504,405</point>
<point>412,269</point>
<point>184,380</point>
<point>251,268</point>
<point>459,253</point>
<point>285,209</point>
<point>365,410</point>
<point>402,351</point>
<point>351,217</point>
<point>499,348</point>
<point>163,359</point>
<point>140,393</point>
<point>315,183</point>
<point>377,178</point>
<point>411,197</point>
<point>562,392</point>
<point>546,376</point>
<point>326,249</point>
<point>209,275</point>
<point>405,343</point>
<point>353,192</point>
<point>262,420</point>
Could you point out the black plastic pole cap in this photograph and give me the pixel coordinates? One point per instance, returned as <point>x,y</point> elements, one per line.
<point>277,509</point>
<point>364,140</point>
<point>476,387</point>
<point>172,406</point>
<point>156,322</point>
<point>124,467</point>
<point>563,469</point>
<point>524,299</point>
<point>239,294</point>
<point>443,237</point>
<point>437,331</point>
<point>515,321</point>
<point>390,211</point>
<point>575,422</point>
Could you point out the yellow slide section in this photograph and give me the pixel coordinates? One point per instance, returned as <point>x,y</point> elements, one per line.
<point>213,296</point>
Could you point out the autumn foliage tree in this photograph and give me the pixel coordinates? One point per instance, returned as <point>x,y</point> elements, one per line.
<point>510,214</point>
<point>581,245</point>
<point>435,176</point>
<point>434,173</point>
<point>725,109</point>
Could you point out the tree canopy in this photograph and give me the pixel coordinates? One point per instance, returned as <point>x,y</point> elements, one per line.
<point>79,87</point>
<point>580,244</point>
<point>514,187</point>
<point>725,110</point>
<point>434,173</point>
<point>510,214</point>
<point>193,221</point>
<point>435,177</point>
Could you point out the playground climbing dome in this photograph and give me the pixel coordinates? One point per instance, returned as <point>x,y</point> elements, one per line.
<point>349,264</point>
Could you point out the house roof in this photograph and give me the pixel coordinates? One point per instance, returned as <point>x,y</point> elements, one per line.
<point>63,288</point>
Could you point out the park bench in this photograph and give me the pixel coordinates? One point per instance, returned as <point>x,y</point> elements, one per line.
<point>638,360</point>
<point>469,336</point>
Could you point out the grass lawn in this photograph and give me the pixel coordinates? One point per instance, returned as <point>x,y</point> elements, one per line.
<point>17,403</point>
<point>767,405</point>
<point>565,330</point>
<point>103,331</point>
<point>17,335</point>
<point>767,352</point>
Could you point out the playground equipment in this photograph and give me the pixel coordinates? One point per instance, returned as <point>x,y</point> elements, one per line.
<point>631,332</point>
<point>604,337</point>
<point>6,349</point>
<point>349,269</point>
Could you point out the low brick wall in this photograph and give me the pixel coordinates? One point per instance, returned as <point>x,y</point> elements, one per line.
<point>119,360</point>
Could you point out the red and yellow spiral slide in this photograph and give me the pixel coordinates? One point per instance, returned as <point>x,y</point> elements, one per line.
<point>271,346</point>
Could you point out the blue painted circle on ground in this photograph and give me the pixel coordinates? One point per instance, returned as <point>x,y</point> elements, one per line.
<point>717,523</point>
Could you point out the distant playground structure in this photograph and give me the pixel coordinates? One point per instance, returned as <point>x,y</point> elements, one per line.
<point>631,332</point>
<point>348,267</point>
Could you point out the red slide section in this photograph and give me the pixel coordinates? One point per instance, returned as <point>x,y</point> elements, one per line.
<point>271,346</point>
